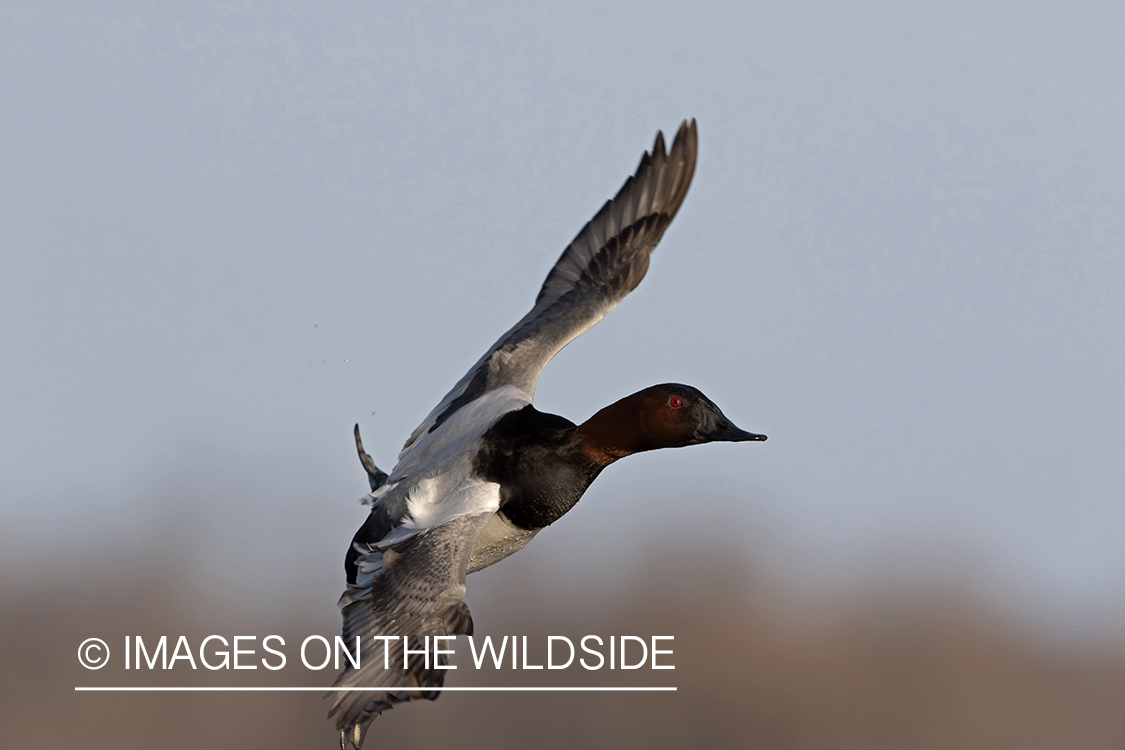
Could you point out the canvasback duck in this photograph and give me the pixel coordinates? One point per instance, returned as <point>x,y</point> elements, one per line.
<point>486,471</point>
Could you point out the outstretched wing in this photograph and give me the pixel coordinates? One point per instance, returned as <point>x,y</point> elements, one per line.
<point>605,262</point>
<point>414,589</point>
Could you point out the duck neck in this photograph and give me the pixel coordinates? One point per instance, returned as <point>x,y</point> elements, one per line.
<point>615,432</point>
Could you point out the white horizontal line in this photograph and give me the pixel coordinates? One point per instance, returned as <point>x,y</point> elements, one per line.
<point>135,689</point>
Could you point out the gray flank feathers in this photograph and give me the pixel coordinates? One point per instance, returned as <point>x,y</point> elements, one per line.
<point>415,589</point>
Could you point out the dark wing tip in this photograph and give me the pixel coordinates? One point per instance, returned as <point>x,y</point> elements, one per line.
<point>683,156</point>
<point>636,216</point>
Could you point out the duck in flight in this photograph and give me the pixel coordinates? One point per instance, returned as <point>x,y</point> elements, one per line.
<point>486,471</point>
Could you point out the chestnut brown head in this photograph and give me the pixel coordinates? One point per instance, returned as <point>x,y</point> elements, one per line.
<point>662,416</point>
<point>674,415</point>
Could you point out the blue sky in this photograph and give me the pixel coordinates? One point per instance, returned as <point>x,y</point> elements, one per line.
<point>230,232</point>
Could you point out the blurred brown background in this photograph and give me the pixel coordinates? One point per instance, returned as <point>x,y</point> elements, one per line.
<point>756,666</point>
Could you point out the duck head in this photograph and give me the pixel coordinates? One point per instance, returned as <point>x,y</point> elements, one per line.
<point>670,415</point>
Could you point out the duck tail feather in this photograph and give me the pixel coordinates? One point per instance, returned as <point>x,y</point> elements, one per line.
<point>375,476</point>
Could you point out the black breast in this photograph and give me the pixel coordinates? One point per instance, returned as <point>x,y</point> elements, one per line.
<point>538,462</point>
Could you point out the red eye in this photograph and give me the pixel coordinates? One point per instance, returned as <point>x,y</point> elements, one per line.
<point>676,403</point>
